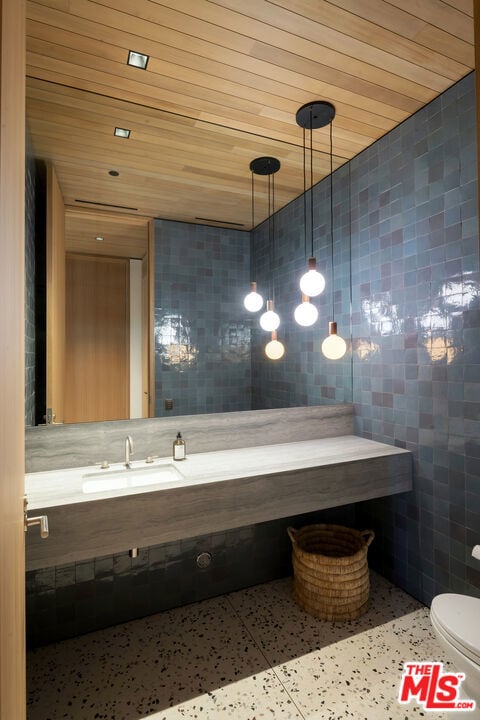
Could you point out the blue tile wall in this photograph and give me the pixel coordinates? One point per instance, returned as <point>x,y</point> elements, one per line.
<point>416,332</point>
<point>202,333</point>
<point>73,599</point>
<point>29,284</point>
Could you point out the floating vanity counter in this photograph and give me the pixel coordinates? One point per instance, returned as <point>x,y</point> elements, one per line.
<point>94,512</point>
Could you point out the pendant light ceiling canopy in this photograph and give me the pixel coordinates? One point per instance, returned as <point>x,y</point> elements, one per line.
<point>265,165</point>
<point>314,115</point>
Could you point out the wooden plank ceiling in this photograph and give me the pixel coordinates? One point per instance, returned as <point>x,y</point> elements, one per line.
<point>222,86</point>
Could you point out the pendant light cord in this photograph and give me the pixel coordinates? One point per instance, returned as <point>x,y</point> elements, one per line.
<point>350,261</point>
<point>311,179</point>
<point>331,222</point>
<point>253,199</point>
<point>271,218</point>
<point>253,264</point>
<point>304,195</point>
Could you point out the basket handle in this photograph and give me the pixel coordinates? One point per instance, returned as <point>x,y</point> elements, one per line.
<point>368,536</point>
<point>291,534</point>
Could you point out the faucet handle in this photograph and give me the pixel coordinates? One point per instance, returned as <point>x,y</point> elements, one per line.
<point>103,465</point>
<point>151,458</point>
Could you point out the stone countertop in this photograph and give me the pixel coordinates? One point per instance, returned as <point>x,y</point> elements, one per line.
<point>57,488</point>
<point>213,491</point>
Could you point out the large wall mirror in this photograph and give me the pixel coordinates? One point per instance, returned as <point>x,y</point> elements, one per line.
<point>148,230</point>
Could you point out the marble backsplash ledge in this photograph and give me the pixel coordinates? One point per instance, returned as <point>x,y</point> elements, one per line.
<point>62,446</point>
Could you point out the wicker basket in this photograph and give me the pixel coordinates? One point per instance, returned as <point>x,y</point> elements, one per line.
<point>331,579</point>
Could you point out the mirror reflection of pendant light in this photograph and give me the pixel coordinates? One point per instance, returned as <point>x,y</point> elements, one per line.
<point>253,302</point>
<point>305,314</point>
<point>334,347</point>
<point>310,117</point>
<point>269,320</point>
<point>268,166</point>
<point>274,349</point>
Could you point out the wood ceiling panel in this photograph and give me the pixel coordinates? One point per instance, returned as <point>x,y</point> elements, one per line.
<point>353,27</point>
<point>123,235</point>
<point>411,26</point>
<point>223,84</point>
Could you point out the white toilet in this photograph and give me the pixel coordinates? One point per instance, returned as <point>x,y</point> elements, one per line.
<point>456,622</point>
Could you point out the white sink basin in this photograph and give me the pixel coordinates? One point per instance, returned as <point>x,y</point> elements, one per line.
<point>122,478</point>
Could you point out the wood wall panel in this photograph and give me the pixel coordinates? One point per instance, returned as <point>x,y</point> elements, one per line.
<point>12,375</point>
<point>55,297</point>
<point>123,235</point>
<point>97,384</point>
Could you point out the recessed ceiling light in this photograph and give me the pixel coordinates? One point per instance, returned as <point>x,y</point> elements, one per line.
<point>122,132</point>
<point>113,173</point>
<point>99,238</point>
<point>137,59</point>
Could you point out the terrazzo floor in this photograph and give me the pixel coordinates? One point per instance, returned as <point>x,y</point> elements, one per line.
<point>248,655</point>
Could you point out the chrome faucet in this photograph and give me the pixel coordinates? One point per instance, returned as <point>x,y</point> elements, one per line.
<point>128,450</point>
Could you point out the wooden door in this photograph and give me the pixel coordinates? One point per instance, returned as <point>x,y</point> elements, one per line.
<point>97,368</point>
<point>12,365</point>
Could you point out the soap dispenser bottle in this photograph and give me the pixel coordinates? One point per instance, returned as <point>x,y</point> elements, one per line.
<point>179,448</point>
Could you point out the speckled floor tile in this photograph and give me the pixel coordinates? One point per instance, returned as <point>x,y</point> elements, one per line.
<point>198,660</point>
<point>280,626</point>
<point>249,655</point>
<point>342,670</point>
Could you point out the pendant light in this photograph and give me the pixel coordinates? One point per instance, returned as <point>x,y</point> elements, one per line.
<point>274,349</point>
<point>310,117</point>
<point>305,314</point>
<point>270,320</point>
<point>253,302</point>
<point>334,346</point>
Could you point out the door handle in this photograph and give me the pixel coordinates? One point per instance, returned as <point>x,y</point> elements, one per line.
<point>41,520</point>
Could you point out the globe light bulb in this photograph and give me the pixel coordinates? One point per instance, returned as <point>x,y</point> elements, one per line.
<point>312,283</point>
<point>274,349</point>
<point>305,314</point>
<point>269,320</point>
<point>334,347</point>
<point>253,301</point>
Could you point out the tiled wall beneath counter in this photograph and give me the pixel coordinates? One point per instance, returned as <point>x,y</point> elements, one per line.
<point>73,599</point>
